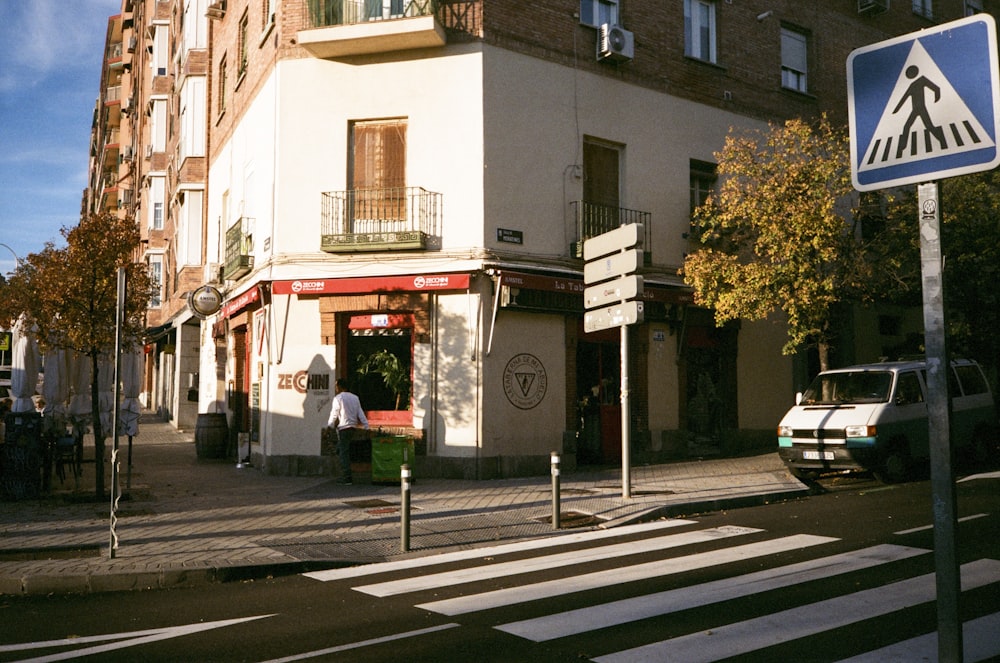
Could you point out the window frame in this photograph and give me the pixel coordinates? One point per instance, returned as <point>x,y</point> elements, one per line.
<point>794,75</point>
<point>154,263</point>
<point>592,12</point>
<point>695,32</point>
<point>923,8</point>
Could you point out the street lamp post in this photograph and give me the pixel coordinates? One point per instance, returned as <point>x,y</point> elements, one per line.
<point>17,261</point>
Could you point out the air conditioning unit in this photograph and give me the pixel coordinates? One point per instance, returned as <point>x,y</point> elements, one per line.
<point>127,153</point>
<point>872,6</point>
<point>615,43</point>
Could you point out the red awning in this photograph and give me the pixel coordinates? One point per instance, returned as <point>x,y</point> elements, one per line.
<point>366,284</point>
<point>240,302</point>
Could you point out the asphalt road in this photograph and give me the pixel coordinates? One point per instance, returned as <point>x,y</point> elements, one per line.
<point>843,573</point>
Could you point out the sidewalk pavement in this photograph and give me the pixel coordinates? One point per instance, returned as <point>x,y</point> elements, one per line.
<point>184,520</point>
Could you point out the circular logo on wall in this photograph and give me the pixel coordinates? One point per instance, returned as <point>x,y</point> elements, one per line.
<point>205,301</point>
<point>524,381</point>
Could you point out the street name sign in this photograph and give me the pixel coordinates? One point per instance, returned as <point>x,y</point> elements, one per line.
<point>622,237</point>
<point>620,289</point>
<point>616,315</point>
<point>925,105</point>
<point>608,267</point>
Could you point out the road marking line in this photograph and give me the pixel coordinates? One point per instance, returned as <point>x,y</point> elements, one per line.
<point>363,643</point>
<point>927,527</point>
<point>979,643</point>
<point>127,639</point>
<point>787,625</point>
<point>476,573</point>
<point>474,553</point>
<point>599,579</point>
<point>615,613</point>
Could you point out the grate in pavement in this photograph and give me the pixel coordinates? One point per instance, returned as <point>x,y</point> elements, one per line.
<point>368,504</point>
<point>570,519</point>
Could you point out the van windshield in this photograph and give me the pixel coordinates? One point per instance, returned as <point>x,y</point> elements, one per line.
<point>849,387</point>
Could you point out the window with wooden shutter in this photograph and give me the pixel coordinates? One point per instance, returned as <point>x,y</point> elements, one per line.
<point>378,173</point>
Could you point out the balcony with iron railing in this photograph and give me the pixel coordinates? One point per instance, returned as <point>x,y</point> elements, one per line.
<point>342,28</point>
<point>393,219</point>
<point>239,249</point>
<point>593,220</point>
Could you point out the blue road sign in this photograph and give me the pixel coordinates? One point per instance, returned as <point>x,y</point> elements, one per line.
<point>926,105</point>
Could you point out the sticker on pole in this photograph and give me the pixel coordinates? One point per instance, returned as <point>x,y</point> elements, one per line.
<point>925,105</point>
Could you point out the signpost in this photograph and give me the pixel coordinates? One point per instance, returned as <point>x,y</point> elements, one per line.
<point>926,106</point>
<point>612,260</point>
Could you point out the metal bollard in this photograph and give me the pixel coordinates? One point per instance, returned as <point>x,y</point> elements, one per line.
<point>404,511</point>
<point>555,490</point>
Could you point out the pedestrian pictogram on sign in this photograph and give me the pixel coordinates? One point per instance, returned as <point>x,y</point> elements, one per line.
<point>924,106</point>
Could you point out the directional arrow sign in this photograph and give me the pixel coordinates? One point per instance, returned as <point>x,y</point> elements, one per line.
<point>622,237</point>
<point>622,288</point>
<point>616,264</point>
<point>925,105</point>
<point>616,315</point>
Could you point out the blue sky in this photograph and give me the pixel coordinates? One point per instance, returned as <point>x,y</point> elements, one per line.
<point>50,72</point>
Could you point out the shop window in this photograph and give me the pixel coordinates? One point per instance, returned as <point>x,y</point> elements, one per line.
<point>379,360</point>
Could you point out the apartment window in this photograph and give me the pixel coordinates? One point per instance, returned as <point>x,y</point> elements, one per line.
<point>155,264</point>
<point>156,199</point>
<point>923,8</point>
<point>267,16</point>
<point>158,124</point>
<point>793,60</point>
<point>699,29</point>
<point>160,50</point>
<point>244,48</point>
<point>703,178</point>
<point>973,7</point>
<point>378,170</point>
<point>598,12</point>
<point>222,86</point>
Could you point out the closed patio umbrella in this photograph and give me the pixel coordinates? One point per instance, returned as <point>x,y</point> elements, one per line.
<point>25,362</point>
<point>55,390</point>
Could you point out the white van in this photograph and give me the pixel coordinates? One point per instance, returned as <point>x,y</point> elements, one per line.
<point>874,417</point>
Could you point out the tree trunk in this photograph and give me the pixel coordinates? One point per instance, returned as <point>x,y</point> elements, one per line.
<point>95,413</point>
<point>824,355</point>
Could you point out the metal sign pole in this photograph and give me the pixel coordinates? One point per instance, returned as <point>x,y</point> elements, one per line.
<point>115,492</point>
<point>938,415</point>
<point>626,461</point>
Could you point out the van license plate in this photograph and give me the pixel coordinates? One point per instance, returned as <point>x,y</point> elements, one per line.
<point>817,455</point>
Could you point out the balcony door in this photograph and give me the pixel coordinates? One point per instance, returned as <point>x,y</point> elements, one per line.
<point>378,176</point>
<point>601,187</point>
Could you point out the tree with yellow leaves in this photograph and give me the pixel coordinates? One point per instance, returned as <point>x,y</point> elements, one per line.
<point>778,234</point>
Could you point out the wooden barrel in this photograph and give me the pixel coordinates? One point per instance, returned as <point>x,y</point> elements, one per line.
<point>211,435</point>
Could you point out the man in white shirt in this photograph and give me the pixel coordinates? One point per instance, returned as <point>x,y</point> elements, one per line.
<point>348,419</point>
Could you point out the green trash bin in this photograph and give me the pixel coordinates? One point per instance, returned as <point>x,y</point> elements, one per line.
<point>389,453</point>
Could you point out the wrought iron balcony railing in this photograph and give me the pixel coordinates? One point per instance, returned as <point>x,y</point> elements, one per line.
<point>593,220</point>
<point>239,249</point>
<point>326,13</point>
<point>379,219</point>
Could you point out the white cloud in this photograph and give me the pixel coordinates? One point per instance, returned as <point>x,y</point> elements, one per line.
<point>42,37</point>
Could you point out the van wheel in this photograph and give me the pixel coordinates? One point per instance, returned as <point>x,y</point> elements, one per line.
<point>799,473</point>
<point>895,465</point>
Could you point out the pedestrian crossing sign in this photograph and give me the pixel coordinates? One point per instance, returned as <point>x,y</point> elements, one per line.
<point>924,106</point>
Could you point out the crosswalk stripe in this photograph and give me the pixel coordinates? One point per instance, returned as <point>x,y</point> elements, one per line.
<point>599,579</point>
<point>786,625</point>
<point>979,643</point>
<point>447,578</point>
<point>574,622</point>
<point>491,551</point>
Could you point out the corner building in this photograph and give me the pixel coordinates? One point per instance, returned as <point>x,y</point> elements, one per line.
<point>405,186</point>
